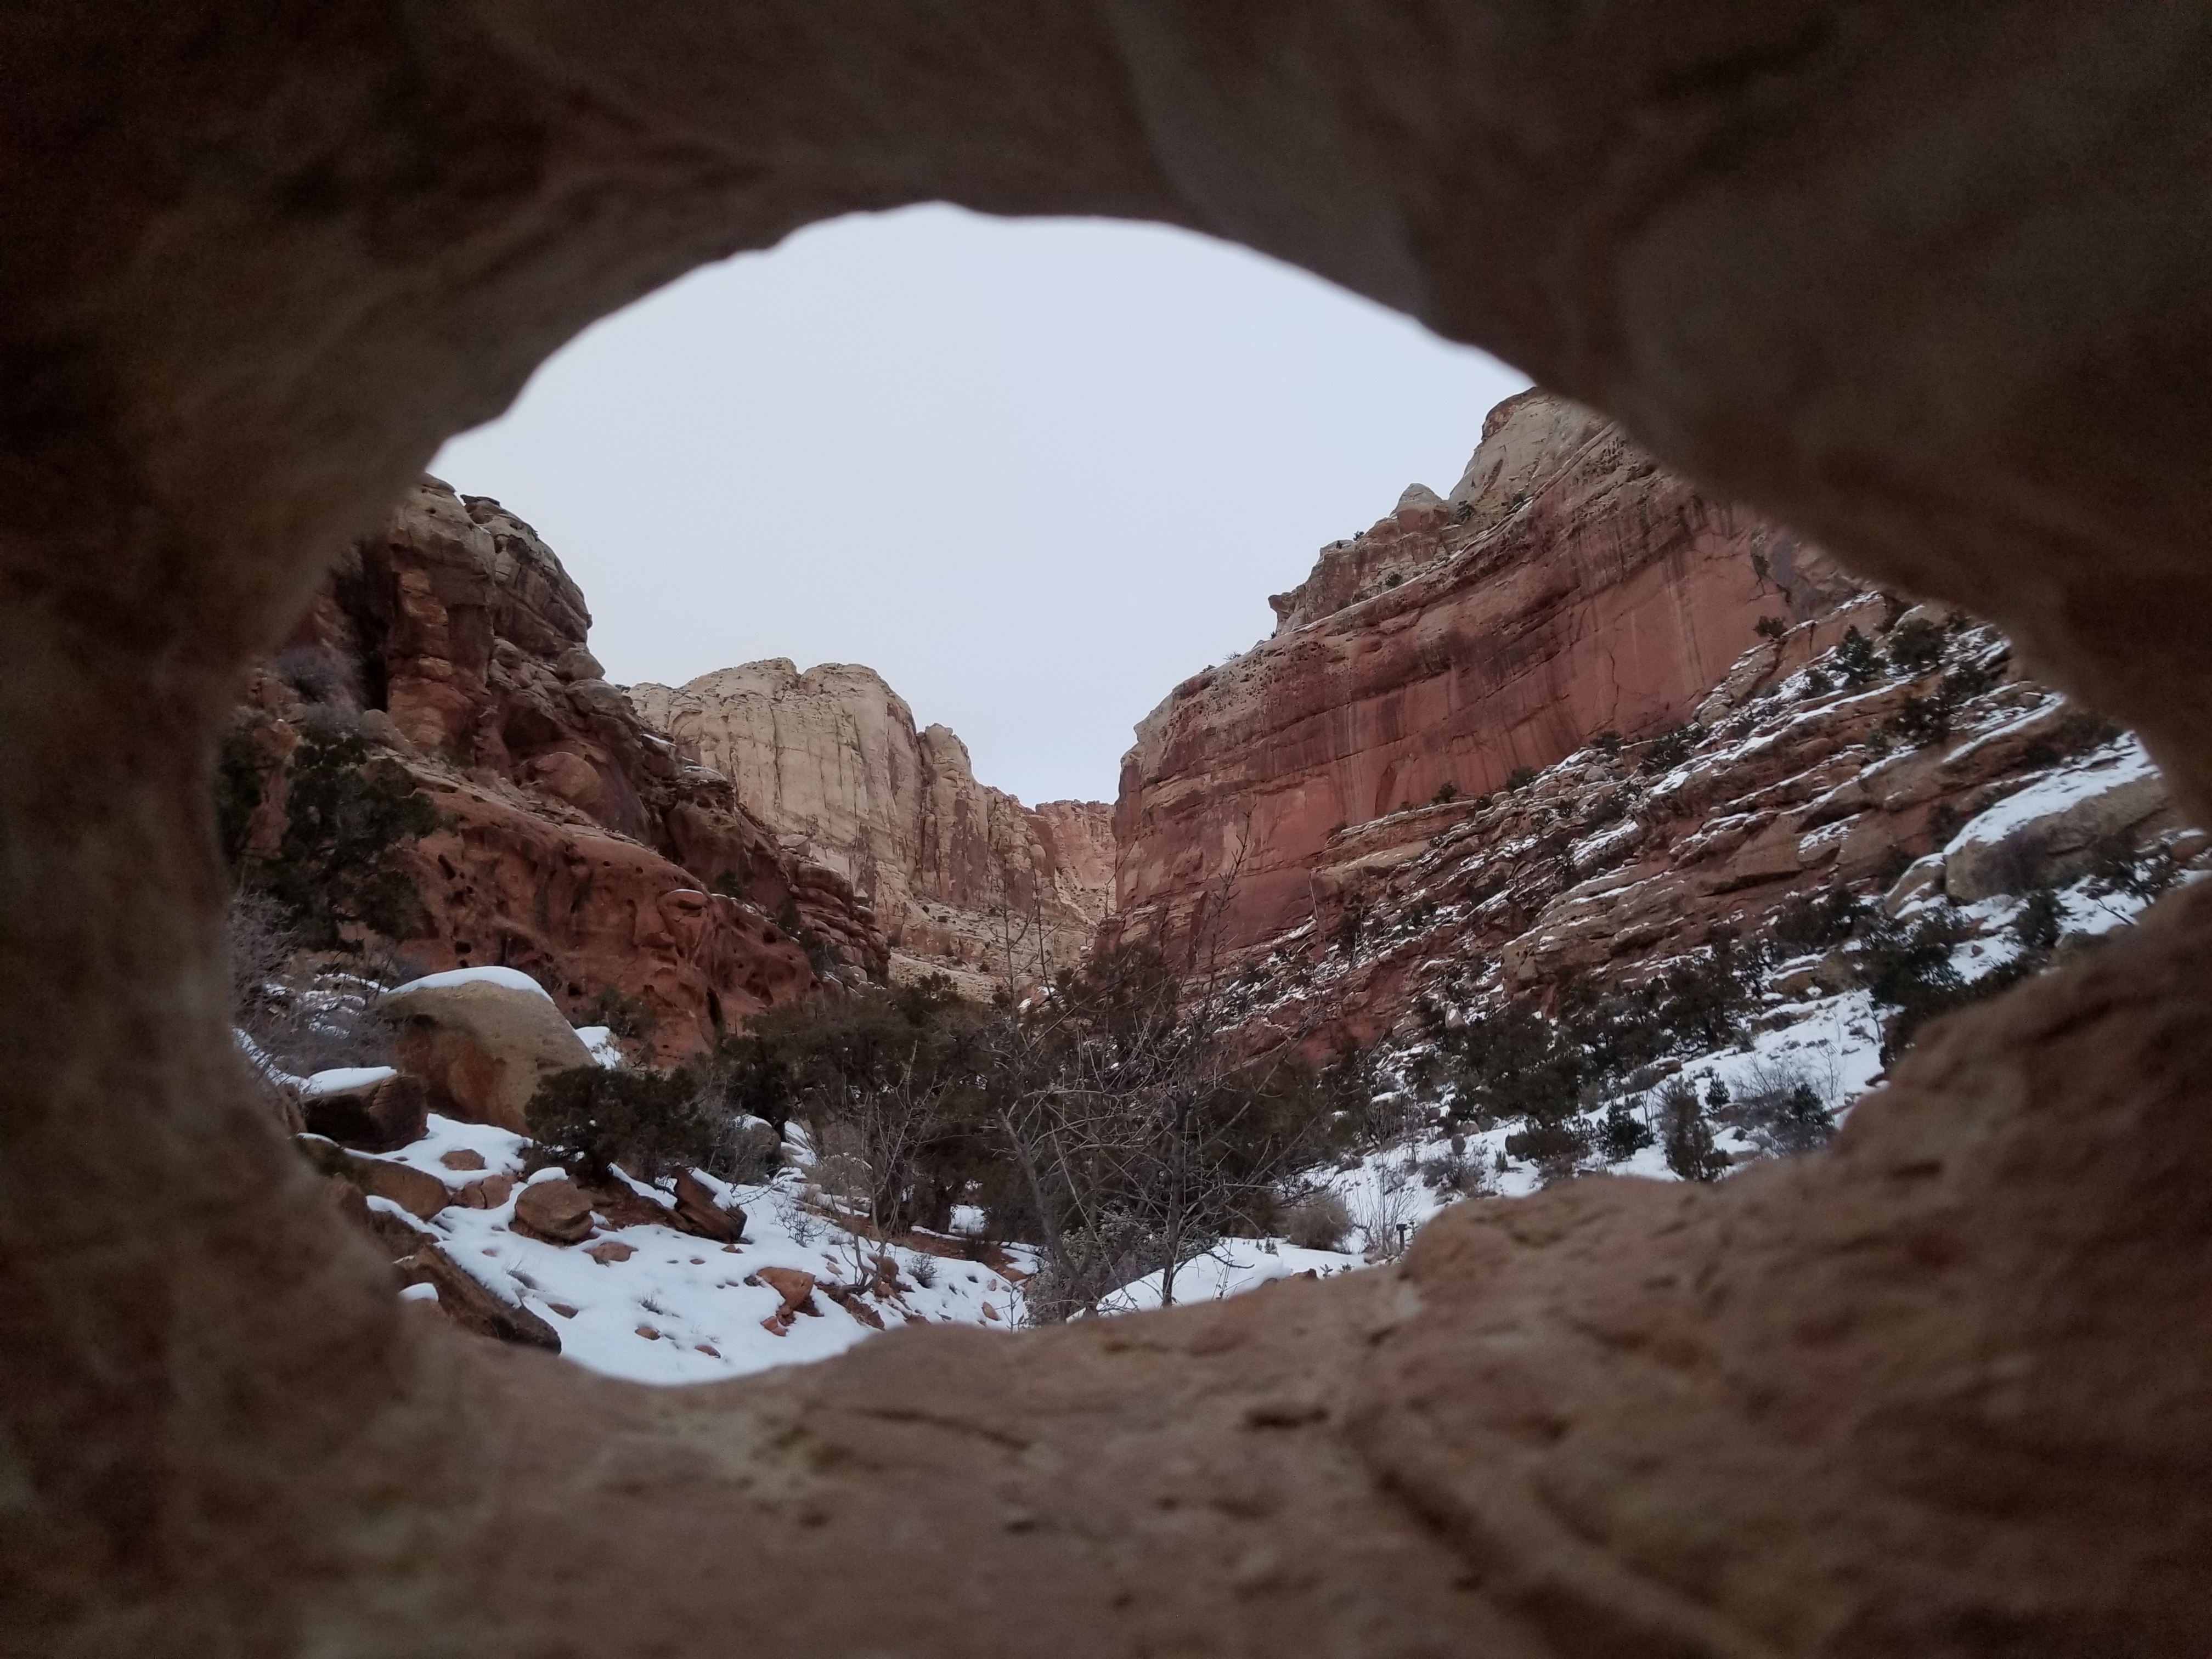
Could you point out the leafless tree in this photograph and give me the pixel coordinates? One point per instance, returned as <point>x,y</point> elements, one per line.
<point>1142,1136</point>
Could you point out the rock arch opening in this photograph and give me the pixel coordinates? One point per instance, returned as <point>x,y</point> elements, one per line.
<point>1937,1393</point>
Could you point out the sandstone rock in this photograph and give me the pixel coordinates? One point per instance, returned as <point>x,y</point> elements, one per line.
<point>556,1211</point>
<point>853,1302</point>
<point>1575,588</point>
<point>376,1110</point>
<point>488,1193</point>
<point>2045,833</point>
<point>568,775</point>
<point>462,1157</point>
<point>622,1205</point>
<point>698,1214</point>
<point>609,1251</point>
<point>834,760</point>
<point>482,1045</point>
<point>796,1287</point>
<point>421,1195</point>
<point>466,1300</point>
<point>1602,869</point>
<point>1922,878</point>
<point>462,621</point>
<point>1926,280</point>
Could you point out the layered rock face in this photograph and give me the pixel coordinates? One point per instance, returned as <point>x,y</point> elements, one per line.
<point>1565,587</point>
<point>961,877</point>
<point>1938,1393</point>
<point>563,837</point>
<point>1945,787</point>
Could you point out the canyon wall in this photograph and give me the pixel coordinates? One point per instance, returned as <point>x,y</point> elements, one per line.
<point>437,741</point>
<point>963,879</point>
<point>1565,587</point>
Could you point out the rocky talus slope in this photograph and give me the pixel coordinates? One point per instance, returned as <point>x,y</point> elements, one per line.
<point>435,765</point>
<point>1566,586</point>
<point>1864,821</point>
<point>962,878</point>
<point>675,1275</point>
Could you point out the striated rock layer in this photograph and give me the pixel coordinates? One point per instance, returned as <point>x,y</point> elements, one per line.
<point>569,839</point>
<point>959,875</point>
<point>1928,281</point>
<point>1567,586</point>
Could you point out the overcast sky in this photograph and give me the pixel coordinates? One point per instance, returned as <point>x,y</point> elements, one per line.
<point>1033,472</point>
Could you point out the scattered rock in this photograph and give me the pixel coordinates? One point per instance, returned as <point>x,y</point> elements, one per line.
<point>380,1112</point>
<point>794,1285</point>
<point>556,1211</point>
<point>610,1250</point>
<point>468,1303</point>
<point>697,1212</point>
<point>462,1157</point>
<point>486,1195</point>
<point>855,1303</point>
<point>415,1191</point>
<point>622,1206</point>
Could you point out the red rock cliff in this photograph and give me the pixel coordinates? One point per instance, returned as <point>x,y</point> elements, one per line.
<point>569,840</point>
<point>963,877</point>
<point>1565,587</point>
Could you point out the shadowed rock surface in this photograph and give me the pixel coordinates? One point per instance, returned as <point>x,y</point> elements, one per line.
<point>1926,284</point>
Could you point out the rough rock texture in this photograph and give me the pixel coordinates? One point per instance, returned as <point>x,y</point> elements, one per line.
<point>957,875</point>
<point>480,1048</point>
<point>1568,586</point>
<point>1926,283</point>
<point>384,1109</point>
<point>1619,861</point>
<point>570,842</point>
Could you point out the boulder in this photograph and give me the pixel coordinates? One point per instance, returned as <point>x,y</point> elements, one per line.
<point>794,1285</point>
<point>483,1044</point>
<point>472,1305</point>
<point>372,1108</point>
<point>2046,834</point>
<point>699,1214</point>
<point>557,1211</point>
<point>421,1195</point>
<point>487,1193</point>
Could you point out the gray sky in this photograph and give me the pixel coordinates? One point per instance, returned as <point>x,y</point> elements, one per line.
<point>1033,472</point>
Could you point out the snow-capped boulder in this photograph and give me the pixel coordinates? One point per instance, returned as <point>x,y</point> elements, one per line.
<point>2045,833</point>
<point>483,1039</point>
<point>372,1108</point>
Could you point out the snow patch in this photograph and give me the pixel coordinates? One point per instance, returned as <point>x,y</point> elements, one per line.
<point>512,978</point>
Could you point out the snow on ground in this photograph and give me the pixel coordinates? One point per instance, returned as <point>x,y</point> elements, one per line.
<point>1231,1269</point>
<point>677,1308</point>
